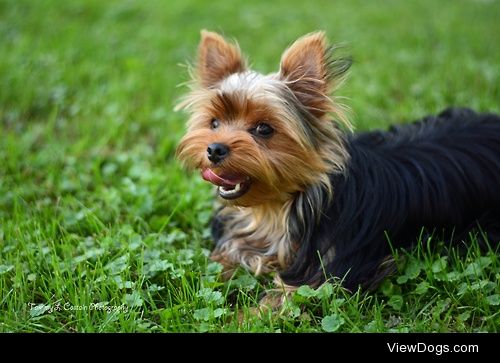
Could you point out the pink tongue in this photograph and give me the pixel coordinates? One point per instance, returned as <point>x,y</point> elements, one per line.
<point>213,178</point>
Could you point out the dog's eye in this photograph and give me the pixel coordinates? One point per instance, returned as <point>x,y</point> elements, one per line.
<point>263,130</point>
<point>214,123</point>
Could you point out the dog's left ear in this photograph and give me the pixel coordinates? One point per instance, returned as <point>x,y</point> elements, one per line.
<point>305,67</point>
<point>217,59</point>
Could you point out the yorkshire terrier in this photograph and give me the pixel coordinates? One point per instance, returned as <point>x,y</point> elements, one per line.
<point>308,199</point>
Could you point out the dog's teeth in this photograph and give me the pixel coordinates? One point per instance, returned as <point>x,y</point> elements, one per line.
<point>228,191</point>
<point>235,190</point>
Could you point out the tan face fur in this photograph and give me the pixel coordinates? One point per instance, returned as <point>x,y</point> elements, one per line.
<point>304,145</point>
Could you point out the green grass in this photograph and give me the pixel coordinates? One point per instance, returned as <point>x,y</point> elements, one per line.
<point>94,209</point>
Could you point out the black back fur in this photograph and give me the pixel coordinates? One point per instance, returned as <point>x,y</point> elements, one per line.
<point>440,175</point>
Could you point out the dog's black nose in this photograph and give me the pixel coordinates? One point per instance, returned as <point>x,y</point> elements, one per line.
<point>217,152</point>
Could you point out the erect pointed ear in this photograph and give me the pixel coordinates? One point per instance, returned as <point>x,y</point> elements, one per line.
<point>217,59</point>
<point>309,70</point>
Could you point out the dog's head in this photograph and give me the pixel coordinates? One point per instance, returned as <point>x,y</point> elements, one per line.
<point>262,138</point>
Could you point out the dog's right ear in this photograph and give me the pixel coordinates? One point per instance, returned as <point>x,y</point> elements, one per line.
<point>217,59</point>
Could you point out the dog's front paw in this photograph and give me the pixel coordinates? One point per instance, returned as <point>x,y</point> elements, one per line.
<point>228,266</point>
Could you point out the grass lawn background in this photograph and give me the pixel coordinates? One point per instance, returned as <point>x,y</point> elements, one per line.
<point>102,231</point>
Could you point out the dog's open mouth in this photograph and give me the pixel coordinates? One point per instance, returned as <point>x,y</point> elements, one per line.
<point>231,186</point>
